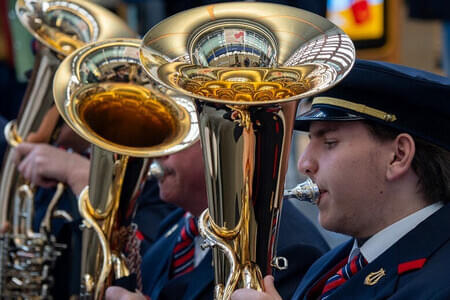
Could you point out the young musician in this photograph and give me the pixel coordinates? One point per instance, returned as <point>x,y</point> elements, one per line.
<point>379,152</point>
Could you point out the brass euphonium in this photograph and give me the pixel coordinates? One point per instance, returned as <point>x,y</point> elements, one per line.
<point>246,65</point>
<point>103,94</point>
<point>61,27</point>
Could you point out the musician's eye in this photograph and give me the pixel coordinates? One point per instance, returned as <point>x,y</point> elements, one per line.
<point>329,144</point>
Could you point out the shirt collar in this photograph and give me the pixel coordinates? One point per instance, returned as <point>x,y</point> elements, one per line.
<point>385,238</point>
<point>199,252</point>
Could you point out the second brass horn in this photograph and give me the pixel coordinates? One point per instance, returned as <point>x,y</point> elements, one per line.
<point>103,94</point>
<point>28,254</point>
<point>246,65</point>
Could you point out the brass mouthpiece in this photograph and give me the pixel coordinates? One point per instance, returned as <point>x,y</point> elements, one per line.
<point>305,191</point>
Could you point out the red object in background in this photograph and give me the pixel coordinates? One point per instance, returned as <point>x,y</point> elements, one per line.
<point>361,11</point>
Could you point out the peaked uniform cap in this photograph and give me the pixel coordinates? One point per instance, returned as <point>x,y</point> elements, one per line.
<point>407,99</point>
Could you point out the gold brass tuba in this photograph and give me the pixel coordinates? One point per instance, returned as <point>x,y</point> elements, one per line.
<point>103,94</point>
<point>61,26</point>
<point>246,65</point>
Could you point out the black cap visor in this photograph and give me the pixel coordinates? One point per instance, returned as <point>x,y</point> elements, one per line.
<point>323,113</point>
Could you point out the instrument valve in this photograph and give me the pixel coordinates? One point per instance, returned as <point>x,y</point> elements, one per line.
<point>280,263</point>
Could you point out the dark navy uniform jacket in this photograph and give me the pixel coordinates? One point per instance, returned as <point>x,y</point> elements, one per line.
<point>198,284</point>
<point>416,267</point>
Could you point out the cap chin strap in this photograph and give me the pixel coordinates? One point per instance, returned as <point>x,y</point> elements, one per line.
<point>360,108</point>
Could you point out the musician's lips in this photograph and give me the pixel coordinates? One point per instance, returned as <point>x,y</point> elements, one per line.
<point>323,193</point>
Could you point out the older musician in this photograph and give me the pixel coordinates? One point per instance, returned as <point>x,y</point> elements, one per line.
<point>168,274</point>
<point>184,186</point>
<point>379,152</point>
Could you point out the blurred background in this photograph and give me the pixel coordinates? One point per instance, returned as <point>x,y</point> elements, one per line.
<point>407,32</point>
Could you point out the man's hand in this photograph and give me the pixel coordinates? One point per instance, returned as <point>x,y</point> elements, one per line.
<point>249,294</point>
<point>118,293</point>
<point>45,166</point>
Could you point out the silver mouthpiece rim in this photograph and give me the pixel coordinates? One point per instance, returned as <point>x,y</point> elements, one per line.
<point>155,171</point>
<point>305,191</point>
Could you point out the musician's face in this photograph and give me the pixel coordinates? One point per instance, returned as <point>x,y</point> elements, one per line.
<point>349,165</point>
<point>184,182</point>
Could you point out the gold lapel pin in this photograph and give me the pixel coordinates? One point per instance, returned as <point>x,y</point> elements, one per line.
<point>374,277</point>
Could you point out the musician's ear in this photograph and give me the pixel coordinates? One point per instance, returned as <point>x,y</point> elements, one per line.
<point>403,151</point>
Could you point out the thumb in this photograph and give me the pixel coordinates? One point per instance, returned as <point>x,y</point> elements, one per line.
<point>270,287</point>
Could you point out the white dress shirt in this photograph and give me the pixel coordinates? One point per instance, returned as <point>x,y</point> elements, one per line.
<point>199,253</point>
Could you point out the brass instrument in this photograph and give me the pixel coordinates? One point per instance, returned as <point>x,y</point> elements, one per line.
<point>62,26</point>
<point>246,65</point>
<point>103,94</point>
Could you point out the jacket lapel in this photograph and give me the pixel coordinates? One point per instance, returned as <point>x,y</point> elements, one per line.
<point>320,268</point>
<point>155,262</point>
<point>381,278</point>
<point>155,273</point>
<point>200,278</point>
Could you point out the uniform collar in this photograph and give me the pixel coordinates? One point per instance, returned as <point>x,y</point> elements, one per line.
<point>384,239</point>
<point>199,253</point>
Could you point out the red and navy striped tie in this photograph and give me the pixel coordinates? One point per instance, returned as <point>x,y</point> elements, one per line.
<point>344,274</point>
<point>183,253</point>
